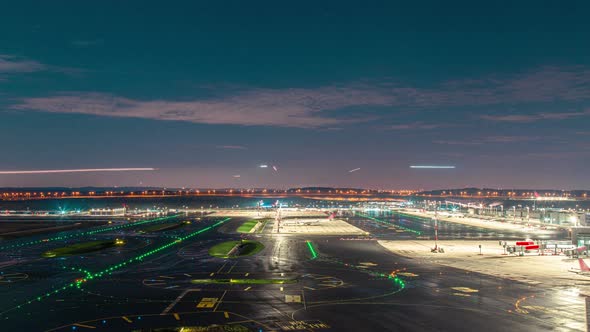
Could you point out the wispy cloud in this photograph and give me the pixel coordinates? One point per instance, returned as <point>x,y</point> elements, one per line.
<point>535,117</point>
<point>451,154</point>
<point>310,107</point>
<point>510,139</point>
<point>456,142</point>
<point>301,108</point>
<point>557,155</point>
<point>417,126</point>
<point>232,147</point>
<point>545,84</point>
<point>81,43</point>
<point>13,64</point>
<point>490,140</point>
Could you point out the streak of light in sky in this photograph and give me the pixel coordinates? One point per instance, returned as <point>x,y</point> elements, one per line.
<point>354,170</point>
<point>263,166</point>
<point>431,167</point>
<point>275,168</point>
<point>81,170</point>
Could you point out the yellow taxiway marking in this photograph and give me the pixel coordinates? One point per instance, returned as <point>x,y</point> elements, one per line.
<point>232,267</point>
<point>225,314</point>
<point>176,316</point>
<point>247,288</point>
<point>207,302</point>
<point>247,274</point>
<point>127,319</point>
<point>221,268</point>
<point>219,301</point>
<point>465,289</point>
<point>368,263</point>
<point>212,274</point>
<point>308,288</point>
<point>407,274</point>
<point>302,325</point>
<point>85,326</point>
<point>549,311</point>
<point>323,284</point>
<point>292,298</point>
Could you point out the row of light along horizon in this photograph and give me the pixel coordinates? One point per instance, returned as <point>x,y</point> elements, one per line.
<point>334,192</point>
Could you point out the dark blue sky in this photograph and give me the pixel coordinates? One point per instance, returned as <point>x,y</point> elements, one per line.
<point>208,90</point>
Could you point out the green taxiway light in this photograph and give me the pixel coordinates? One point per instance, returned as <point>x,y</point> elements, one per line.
<point>101,230</point>
<point>89,275</point>
<point>314,254</point>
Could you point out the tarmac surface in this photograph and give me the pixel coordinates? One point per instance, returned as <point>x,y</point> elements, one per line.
<point>336,283</point>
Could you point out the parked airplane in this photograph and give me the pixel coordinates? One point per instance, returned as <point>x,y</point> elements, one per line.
<point>584,269</point>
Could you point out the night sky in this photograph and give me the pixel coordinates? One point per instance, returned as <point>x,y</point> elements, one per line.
<point>206,90</point>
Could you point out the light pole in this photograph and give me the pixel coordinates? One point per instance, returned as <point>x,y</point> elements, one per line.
<point>514,213</point>
<point>436,230</point>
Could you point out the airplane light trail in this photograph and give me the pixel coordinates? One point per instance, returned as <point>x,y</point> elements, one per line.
<point>432,167</point>
<point>354,170</point>
<point>263,166</point>
<point>275,168</point>
<point>81,170</point>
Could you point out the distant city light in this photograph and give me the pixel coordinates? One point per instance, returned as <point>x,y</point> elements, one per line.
<point>354,170</point>
<point>81,170</point>
<point>431,167</point>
